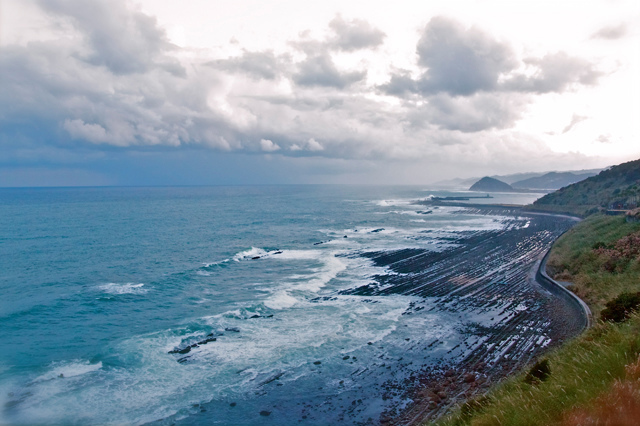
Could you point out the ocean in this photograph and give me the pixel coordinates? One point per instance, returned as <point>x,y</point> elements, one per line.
<point>225,305</point>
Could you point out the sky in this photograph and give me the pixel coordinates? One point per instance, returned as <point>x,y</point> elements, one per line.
<point>219,92</point>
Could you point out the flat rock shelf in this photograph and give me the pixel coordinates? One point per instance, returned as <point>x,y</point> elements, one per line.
<point>488,275</point>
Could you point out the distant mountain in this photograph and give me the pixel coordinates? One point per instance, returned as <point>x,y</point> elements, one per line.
<point>615,188</point>
<point>552,180</point>
<point>488,184</point>
<point>510,179</point>
<point>463,183</point>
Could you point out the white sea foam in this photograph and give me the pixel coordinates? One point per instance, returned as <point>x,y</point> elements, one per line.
<point>123,288</point>
<point>210,264</point>
<point>249,254</point>
<point>280,300</point>
<point>69,369</point>
<point>389,203</point>
<point>321,276</point>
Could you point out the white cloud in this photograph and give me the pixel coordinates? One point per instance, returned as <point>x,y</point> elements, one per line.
<point>268,145</point>
<point>313,145</point>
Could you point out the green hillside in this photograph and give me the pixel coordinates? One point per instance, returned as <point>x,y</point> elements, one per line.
<point>615,188</point>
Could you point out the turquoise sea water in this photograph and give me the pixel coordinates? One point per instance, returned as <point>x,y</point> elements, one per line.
<point>99,285</point>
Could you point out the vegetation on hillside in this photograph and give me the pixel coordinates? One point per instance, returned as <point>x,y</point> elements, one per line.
<point>615,188</point>
<point>551,180</point>
<point>599,258</point>
<point>488,184</point>
<point>594,379</point>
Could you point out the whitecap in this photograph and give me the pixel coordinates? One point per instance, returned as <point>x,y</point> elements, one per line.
<point>280,300</point>
<point>322,275</point>
<point>388,203</point>
<point>123,288</point>
<point>210,264</point>
<point>298,255</point>
<point>249,254</point>
<point>69,369</point>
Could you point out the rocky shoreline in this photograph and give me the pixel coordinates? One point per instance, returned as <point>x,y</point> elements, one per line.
<point>492,272</point>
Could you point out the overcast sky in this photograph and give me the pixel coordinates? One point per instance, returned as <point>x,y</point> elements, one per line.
<point>160,92</point>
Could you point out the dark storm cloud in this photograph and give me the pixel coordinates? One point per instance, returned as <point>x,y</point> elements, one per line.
<point>319,70</point>
<point>52,96</point>
<point>354,35</point>
<point>612,32</point>
<point>124,41</point>
<point>472,82</point>
<point>262,65</point>
<point>460,61</point>
<point>110,86</point>
<point>400,84</point>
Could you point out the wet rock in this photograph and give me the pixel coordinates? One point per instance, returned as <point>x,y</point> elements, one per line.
<point>207,340</point>
<point>377,230</point>
<point>254,316</point>
<point>469,378</point>
<point>181,351</point>
<point>442,395</point>
<point>233,404</point>
<point>317,362</point>
<point>233,329</point>
<point>434,397</point>
<point>384,419</point>
<point>278,252</point>
<point>265,413</point>
<point>273,378</point>
<point>346,357</point>
<point>255,257</point>
<point>449,373</point>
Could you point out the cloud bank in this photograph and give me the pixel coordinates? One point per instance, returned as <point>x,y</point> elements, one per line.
<point>112,80</point>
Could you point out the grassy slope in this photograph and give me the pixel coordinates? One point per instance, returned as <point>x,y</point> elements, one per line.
<point>619,184</point>
<point>573,259</point>
<point>587,370</point>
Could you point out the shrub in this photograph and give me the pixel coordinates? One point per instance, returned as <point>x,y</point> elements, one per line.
<point>540,371</point>
<point>619,309</point>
